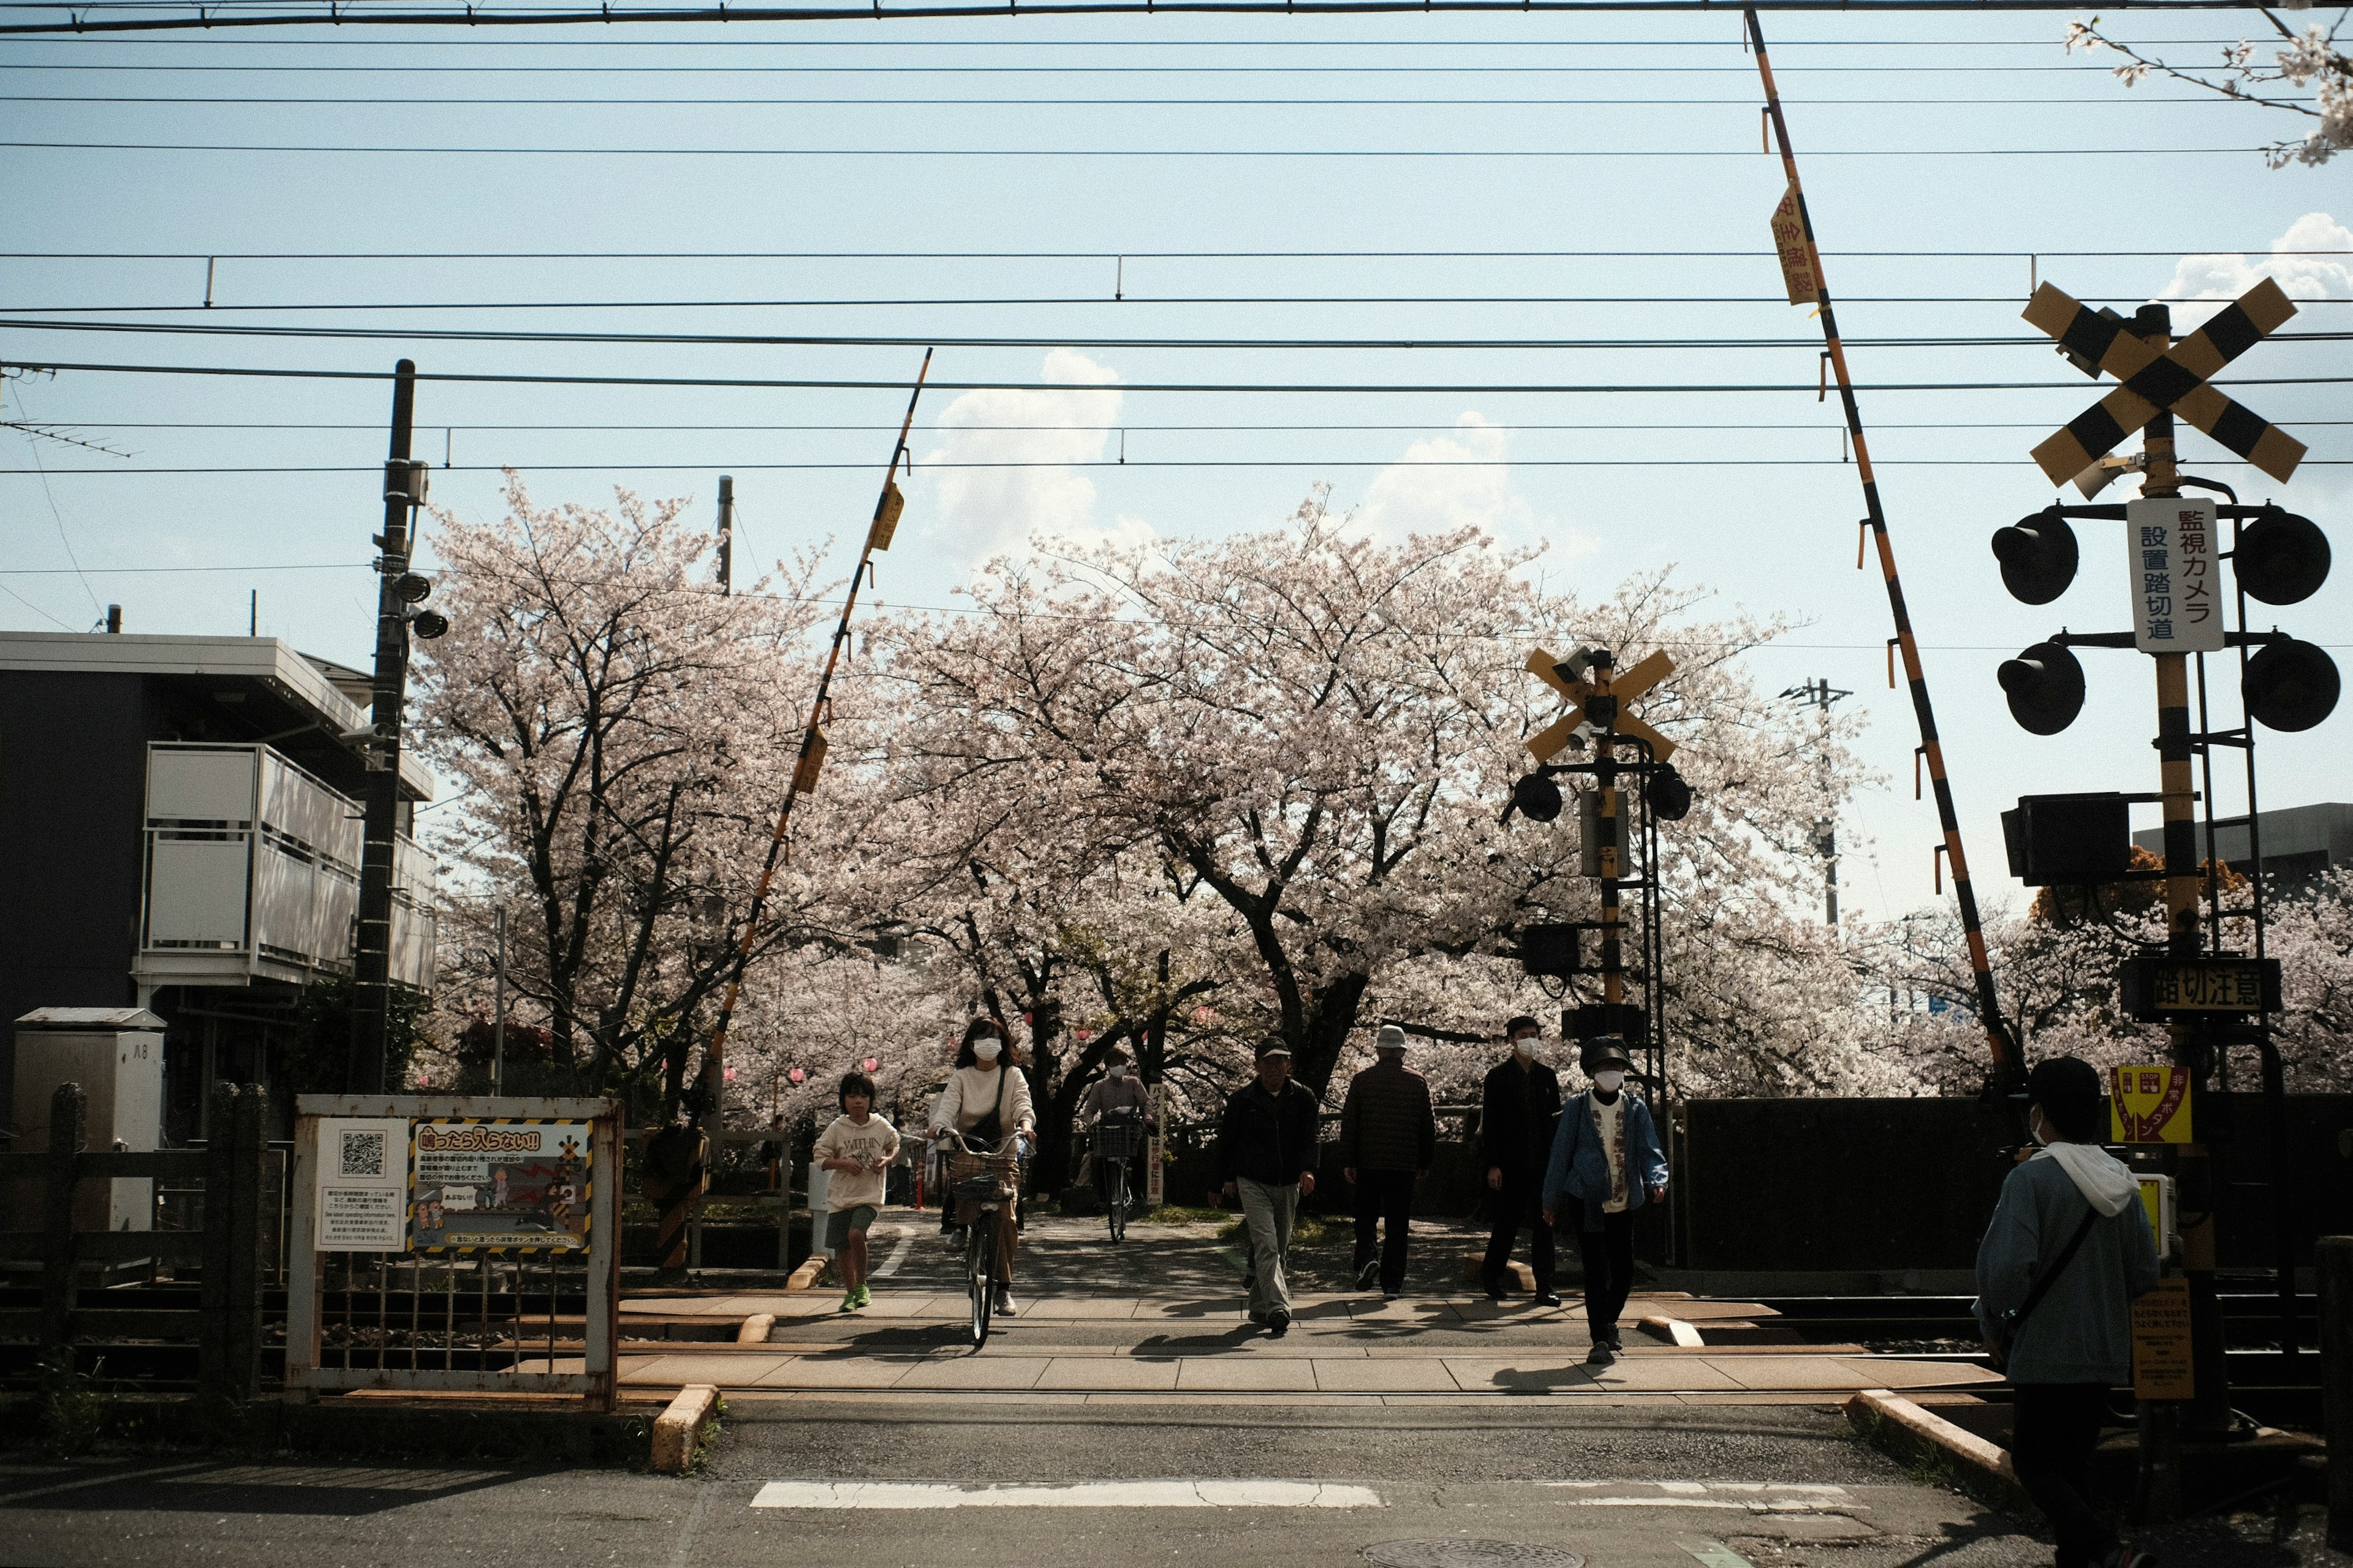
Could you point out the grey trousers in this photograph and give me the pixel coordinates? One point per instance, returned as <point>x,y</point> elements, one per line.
<point>1267,1212</point>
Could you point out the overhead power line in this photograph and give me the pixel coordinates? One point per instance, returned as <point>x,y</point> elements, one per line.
<point>739,41</point>
<point>836,383</point>
<point>78,19</point>
<point>617,465</point>
<point>1758,253</point>
<point>1258,154</point>
<point>1116,301</point>
<point>1824,427</point>
<point>1320,103</point>
<point>201,329</point>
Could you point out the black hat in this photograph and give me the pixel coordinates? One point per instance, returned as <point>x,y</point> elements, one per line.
<point>2068,1091</point>
<point>1272,1046</point>
<point>1605,1050</point>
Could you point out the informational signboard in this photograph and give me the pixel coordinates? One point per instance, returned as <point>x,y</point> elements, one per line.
<point>1797,257</point>
<point>2155,988</point>
<point>2175,576</point>
<point>363,1185</point>
<point>1156,1190</point>
<point>2149,1105</point>
<point>2162,1368</point>
<point>513,1185</point>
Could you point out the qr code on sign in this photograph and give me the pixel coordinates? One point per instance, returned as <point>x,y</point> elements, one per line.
<point>362,1154</point>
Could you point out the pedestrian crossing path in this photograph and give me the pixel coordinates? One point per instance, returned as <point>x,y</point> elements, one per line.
<point>1730,1497</point>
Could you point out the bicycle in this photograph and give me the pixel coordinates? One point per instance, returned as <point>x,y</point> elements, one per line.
<point>981,1181</point>
<point>1118,1138</point>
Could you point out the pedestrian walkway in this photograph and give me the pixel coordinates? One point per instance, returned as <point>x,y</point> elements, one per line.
<point>1162,1317</point>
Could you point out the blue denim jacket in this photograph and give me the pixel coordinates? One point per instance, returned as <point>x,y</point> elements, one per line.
<point>1577,1167</point>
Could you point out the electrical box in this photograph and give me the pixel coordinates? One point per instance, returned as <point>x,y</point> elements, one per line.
<point>2156,1202</point>
<point>2069,840</point>
<point>116,1055</point>
<point>1600,840</point>
<point>1550,950</point>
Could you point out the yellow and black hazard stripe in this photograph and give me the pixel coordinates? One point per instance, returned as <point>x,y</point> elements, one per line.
<point>2008,1059</point>
<point>2152,382</point>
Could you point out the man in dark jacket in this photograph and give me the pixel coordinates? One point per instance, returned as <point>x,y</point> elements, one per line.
<point>1389,1134</point>
<point>1266,1158</point>
<point>1516,1114</point>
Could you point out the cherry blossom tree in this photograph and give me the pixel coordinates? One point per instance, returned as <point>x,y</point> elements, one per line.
<point>619,729</point>
<point>2312,59</point>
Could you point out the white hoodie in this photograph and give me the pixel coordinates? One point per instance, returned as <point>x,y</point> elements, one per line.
<point>2106,1182</point>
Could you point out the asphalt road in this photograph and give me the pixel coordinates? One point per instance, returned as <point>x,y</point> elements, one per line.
<point>1621,1488</point>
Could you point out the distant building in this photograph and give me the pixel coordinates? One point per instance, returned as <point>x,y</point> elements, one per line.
<point>180,831</point>
<point>2299,843</point>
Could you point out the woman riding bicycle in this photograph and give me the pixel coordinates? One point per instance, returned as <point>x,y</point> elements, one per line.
<point>1119,1091</point>
<point>988,1100</point>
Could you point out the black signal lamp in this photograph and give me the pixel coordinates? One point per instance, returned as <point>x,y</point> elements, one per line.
<point>2290,685</point>
<point>2045,687</point>
<point>1537,797</point>
<point>2281,558</point>
<point>1670,795</point>
<point>2038,557</point>
<point>2068,840</point>
<point>1550,950</point>
<point>412,588</point>
<point>429,624</point>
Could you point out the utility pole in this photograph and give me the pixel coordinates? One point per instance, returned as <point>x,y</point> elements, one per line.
<point>403,489</point>
<point>499,1020</point>
<point>1822,695</point>
<point>726,534</point>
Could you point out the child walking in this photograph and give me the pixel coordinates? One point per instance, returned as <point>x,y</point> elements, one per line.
<point>856,1150</point>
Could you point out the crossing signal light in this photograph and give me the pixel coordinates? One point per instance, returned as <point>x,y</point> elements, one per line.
<point>2281,558</point>
<point>1670,795</point>
<point>2045,687</point>
<point>2290,685</point>
<point>1551,950</point>
<point>2038,557</point>
<point>1537,797</point>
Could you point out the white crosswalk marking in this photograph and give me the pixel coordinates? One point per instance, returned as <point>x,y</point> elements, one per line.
<point>1748,1496</point>
<point>898,1253</point>
<point>1076,1494</point>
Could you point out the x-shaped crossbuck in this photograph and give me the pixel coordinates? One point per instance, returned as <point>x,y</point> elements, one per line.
<point>1624,685</point>
<point>2156,382</point>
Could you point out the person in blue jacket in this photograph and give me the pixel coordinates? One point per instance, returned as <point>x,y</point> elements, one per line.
<point>2071,1214</point>
<point>1606,1164</point>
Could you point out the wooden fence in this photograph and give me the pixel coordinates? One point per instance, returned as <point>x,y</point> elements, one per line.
<point>225,1321</point>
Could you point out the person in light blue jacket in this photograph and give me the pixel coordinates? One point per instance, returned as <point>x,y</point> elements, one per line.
<point>1606,1164</point>
<point>2076,1346</point>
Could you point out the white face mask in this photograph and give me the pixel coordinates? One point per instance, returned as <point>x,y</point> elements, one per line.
<point>1119,1070</point>
<point>1525,1047</point>
<point>1608,1080</point>
<point>986,1050</point>
<point>2039,1129</point>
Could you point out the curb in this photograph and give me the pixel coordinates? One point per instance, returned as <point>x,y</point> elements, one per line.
<point>1894,1423</point>
<point>755,1329</point>
<point>805,1277</point>
<point>678,1429</point>
<point>1673,1330</point>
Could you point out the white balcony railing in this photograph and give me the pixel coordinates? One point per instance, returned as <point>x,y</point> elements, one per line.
<point>253,871</point>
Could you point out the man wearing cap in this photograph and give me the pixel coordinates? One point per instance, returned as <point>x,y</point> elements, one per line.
<point>1266,1158</point>
<point>1388,1135</point>
<point>1517,1107</point>
<point>2069,1222</point>
<point>1606,1164</point>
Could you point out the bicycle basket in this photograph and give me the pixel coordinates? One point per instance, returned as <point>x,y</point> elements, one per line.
<point>1118,1140</point>
<point>983,1178</point>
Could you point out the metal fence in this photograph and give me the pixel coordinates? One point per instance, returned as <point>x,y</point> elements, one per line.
<point>484,1257</point>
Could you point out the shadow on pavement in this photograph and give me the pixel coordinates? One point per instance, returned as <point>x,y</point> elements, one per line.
<point>343,1491</point>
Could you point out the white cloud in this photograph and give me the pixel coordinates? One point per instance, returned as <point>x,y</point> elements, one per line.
<point>1454,480</point>
<point>991,510</point>
<point>2226,276</point>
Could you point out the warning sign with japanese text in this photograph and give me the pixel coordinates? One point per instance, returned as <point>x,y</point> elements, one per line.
<point>2162,1368</point>
<point>2149,1105</point>
<point>1797,274</point>
<point>2174,573</point>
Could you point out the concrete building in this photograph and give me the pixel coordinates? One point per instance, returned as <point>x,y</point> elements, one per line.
<point>2299,843</point>
<point>180,831</point>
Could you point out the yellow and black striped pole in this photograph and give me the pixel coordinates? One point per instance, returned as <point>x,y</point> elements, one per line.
<point>2007,1063</point>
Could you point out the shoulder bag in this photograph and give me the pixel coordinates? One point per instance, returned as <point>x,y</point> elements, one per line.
<point>2005,1333</point>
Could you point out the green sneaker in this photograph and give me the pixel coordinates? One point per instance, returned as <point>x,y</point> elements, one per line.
<point>865,1297</point>
<point>849,1302</point>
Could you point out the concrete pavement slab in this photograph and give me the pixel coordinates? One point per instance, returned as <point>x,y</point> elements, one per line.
<point>1384,1376</point>
<point>1109,1374</point>
<point>975,1372</point>
<point>1255,1375</point>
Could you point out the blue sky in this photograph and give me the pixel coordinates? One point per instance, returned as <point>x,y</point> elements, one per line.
<point>1568,134</point>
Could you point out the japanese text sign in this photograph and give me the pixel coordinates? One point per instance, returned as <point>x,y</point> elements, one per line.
<point>2149,1104</point>
<point>512,1185</point>
<point>2176,575</point>
<point>1796,257</point>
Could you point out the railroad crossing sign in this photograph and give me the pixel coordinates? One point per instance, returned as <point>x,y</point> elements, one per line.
<point>2156,383</point>
<point>1621,689</point>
